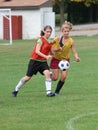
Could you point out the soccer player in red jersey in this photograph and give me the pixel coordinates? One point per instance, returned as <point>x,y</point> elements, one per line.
<point>38,62</point>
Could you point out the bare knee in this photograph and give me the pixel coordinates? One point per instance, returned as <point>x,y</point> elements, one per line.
<point>26,78</point>
<point>55,74</point>
<point>54,78</point>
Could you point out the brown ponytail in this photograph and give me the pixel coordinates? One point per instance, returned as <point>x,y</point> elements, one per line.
<point>42,33</point>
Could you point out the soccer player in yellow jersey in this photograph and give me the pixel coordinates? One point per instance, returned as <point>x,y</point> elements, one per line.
<point>61,51</point>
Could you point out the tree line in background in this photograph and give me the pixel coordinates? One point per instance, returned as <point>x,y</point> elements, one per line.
<point>78,11</point>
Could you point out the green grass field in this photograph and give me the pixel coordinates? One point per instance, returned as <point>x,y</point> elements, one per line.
<point>76,108</point>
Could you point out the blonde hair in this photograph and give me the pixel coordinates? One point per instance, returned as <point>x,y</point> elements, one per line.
<point>66,25</point>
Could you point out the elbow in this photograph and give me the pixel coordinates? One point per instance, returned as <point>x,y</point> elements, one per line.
<point>37,52</point>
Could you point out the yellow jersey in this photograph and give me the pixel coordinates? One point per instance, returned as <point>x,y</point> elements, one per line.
<point>65,53</point>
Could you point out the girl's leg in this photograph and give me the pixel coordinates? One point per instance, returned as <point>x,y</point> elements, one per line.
<point>20,84</point>
<point>48,83</point>
<point>61,82</point>
<point>55,73</point>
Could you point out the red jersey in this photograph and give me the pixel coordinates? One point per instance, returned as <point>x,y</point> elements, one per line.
<point>45,49</point>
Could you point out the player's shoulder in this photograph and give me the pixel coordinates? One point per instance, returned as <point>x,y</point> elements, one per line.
<point>57,38</point>
<point>71,39</point>
<point>39,40</point>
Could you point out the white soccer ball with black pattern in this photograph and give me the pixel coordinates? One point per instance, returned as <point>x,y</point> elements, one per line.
<point>64,65</point>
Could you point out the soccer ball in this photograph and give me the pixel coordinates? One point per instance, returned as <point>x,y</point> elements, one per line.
<point>64,65</point>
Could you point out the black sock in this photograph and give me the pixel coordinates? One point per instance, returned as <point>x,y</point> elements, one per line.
<point>59,86</point>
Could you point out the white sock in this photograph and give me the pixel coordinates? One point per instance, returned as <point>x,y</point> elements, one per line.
<point>19,85</point>
<point>48,86</point>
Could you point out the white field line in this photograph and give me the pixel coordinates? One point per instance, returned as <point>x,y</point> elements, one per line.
<point>5,44</point>
<point>70,123</point>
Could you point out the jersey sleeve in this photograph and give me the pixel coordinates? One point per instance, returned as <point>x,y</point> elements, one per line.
<point>39,41</point>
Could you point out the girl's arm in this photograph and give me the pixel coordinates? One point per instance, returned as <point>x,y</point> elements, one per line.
<point>74,52</point>
<point>38,47</point>
<point>53,50</point>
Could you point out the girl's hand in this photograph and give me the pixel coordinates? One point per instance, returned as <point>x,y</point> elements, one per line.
<point>77,59</point>
<point>53,42</point>
<point>59,49</point>
<point>49,57</point>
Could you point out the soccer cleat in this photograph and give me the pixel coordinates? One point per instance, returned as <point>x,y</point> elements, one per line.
<point>51,94</point>
<point>14,93</point>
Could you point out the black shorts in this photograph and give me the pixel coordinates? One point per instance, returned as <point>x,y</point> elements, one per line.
<point>36,66</point>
